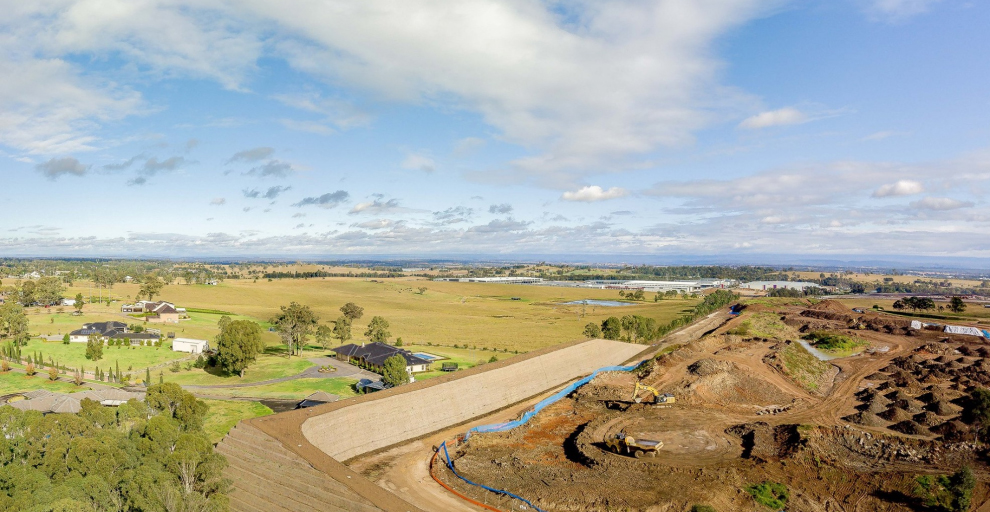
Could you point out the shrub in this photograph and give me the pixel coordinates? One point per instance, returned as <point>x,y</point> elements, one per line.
<point>53,374</point>
<point>950,493</point>
<point>29,369</point>
<point>825,340</point>
<point>769,494</point>
<point>176,367</point>
<point>4,366</point>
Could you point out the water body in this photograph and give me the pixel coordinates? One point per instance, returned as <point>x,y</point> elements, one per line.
<point>593,302</point>
<point>428,357</point>
<point>822,356</point>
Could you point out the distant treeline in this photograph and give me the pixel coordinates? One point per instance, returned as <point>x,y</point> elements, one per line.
<point>649,272</point>
<point>321,273</point>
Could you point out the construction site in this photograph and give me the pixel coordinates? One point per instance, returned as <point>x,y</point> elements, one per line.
<point>733,400</point>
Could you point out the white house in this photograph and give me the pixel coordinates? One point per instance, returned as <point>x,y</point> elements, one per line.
<point>190,345</point>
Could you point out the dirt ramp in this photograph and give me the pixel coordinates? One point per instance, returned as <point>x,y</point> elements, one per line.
<point>365,426</point>
<point>269,478</point>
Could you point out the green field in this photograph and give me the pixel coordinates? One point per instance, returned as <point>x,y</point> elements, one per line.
<point>130,359</point>
<point>464,357</point>
<point>268,366</point>
<point>14,382</point>
<point>224,414</point>
<point>975,313</point>
<point>476,314</point>
<point>291,390</point>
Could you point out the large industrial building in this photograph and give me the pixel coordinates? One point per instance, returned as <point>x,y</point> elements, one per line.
<point>770,285</point>
<point>605,284</point>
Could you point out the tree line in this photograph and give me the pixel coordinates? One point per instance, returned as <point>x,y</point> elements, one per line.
<point>640,329</point>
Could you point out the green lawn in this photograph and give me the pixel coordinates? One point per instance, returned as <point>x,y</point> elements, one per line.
<point>73,355</point>
<point>464,357</point>
<point>225,414</point>
<point>293,389</point>
<point>268,366</point>
<point>11,382</point>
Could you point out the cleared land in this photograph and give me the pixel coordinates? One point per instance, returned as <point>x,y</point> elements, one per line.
<point>846,434</point>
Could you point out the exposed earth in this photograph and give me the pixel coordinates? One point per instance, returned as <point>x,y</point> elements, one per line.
<point>752,405</point>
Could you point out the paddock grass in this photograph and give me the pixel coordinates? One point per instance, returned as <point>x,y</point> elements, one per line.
<point>975,313</point>
<point>268,366</point>
<point>224,414</point>
<point>13,382</point>
<point>73,355</point>
<point>464,357</point>
<point>291,390</point>
<point>478,314</point>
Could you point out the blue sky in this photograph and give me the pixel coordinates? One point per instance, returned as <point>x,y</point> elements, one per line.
<point>495,127</point>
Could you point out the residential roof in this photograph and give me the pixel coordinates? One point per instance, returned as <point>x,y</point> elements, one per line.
<point>49,402</point>
<point>101,328</point>
<point>371,384</point>
<point>376,353</point>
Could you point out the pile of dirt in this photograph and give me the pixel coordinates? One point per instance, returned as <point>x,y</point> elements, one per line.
<point>762,442</point>
<point>942,408</point>
<point>911,428</point>
<point>895,415</point>
<point>866,418</point>
<point>705,367</point>
<point>877,376</point>
<point>955,431</point>
<point>831,306</point>
<point>927,418</point>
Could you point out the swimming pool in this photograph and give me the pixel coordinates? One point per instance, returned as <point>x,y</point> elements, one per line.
<point>593,302</point>
<point>428,357</point>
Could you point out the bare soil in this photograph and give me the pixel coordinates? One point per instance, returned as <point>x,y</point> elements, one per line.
<point>849,434</point>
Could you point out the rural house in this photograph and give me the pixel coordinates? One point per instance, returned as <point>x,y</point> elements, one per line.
<point>157,312</point>
<point>110,330</point>
<point>374,355</point>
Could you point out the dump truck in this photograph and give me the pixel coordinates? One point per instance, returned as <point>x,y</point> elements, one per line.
<point>626,444</point>
<point>658,397</point>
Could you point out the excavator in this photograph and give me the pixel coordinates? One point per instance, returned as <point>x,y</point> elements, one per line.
<point>658,398</point>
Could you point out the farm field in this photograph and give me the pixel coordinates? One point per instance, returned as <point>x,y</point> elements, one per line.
<point>130,359</point>
<point>973,313</point>
<point>271,365</point>
<point>289,390</point>
<point>16,382</point>
<point>448,313</point>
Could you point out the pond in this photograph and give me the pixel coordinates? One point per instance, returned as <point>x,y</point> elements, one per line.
<point>593,302</point>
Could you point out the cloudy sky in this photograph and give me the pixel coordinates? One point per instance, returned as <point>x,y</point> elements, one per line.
<point>494,127</point>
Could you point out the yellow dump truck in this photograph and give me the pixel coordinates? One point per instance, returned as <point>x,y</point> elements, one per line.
<point>626,444</point>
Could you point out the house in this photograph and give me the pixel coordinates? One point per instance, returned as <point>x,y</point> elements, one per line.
<point>374,355</point>
<point>158,312</point>
<point>370,386</point>
<point>48,402</point>
<point>190,345</point>
<point>69,302</point>
<point>111,330</point>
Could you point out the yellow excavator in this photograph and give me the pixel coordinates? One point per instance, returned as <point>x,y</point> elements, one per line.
<point>658,397</point>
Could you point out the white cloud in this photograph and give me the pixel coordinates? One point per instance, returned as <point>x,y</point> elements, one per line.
<point>780,117</point>
<point>594,193</point>
<point>376,207</point>
<point>418,162</point>
<point>218,201</point>
<point>375,224</point>
<point>940,204</point>
<point>898,10</point>
<point>900,188</point>
<point>251,155</point>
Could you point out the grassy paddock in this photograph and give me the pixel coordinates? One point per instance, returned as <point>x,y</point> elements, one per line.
<point>73,355</point>
<point>12,382</point>
<point>268,366</point>
<point>479,314</point>
<point>292,390</point>
<point>225,414</point>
